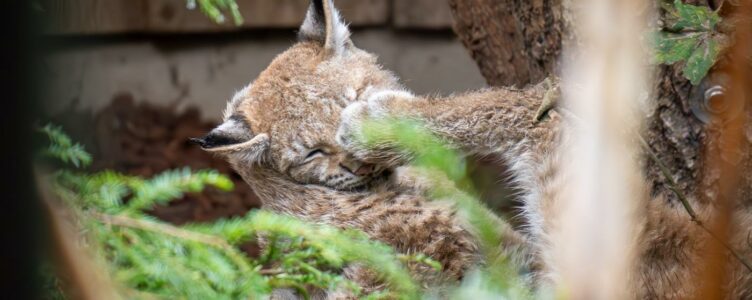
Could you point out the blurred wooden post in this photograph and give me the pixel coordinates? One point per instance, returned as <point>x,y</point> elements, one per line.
<point>727,135</point>
<point>84,278</point>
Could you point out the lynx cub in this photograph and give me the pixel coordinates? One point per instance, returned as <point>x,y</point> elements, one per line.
<point>279,134</point>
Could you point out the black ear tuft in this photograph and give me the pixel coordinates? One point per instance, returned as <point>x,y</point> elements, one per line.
<point>213,140</point>
<point>323,24</point>
<point>314,25</point>
<point>233,131</point>
<point>318,5</point>
<point>199,141</point>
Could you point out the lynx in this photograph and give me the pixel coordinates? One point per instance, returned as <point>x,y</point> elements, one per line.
<point>294,136</point>
<point>279,134</point>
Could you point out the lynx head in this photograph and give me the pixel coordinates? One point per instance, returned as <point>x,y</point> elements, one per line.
<point>286,120</point>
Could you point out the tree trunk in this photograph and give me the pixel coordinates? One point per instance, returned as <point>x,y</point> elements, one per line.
<point>514,42</point>
<point>519,42</point>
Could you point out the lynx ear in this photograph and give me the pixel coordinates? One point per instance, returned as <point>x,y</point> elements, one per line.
<point>323,24</point>
<point>234,136</point>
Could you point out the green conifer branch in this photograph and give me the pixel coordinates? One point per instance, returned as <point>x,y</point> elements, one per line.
<point>499,277</point>
<point>61,147</point>
<point>153,259</point>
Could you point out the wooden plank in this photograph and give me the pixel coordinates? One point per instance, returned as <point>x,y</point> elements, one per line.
<point>172,16</point>
<point>121,16</point>
<point>94,16</point>
<point>422,14</point>
<point>365,12</point>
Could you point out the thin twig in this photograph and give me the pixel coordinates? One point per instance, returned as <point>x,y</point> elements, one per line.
<point>688,207</point>
<point>124,221</point>
<point>267,272</point>
<point>671,183</point>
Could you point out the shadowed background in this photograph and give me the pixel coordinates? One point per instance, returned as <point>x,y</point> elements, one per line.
<point>163,53</point>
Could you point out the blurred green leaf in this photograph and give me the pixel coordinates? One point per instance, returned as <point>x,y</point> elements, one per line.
<point>701,60</point>
<point>673,47</point>
<point>680,16</point>
<point>691,37</point>
<point>500,275</point>
<point>216,10</point>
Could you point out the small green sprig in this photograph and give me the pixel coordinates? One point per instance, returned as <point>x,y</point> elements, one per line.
<point>61,147</point>
<point>438,161</point>
<point>216,10</point>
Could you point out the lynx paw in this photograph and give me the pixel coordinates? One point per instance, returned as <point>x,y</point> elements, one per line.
<point>350,134</point>
<point>350,131</point>
<point>418,180</point>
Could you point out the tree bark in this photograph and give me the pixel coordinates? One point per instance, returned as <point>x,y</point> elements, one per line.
<point>514,42</point>
<point>519,42</point>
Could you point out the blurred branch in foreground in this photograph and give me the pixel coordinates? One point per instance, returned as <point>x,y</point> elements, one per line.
<point>602,198</point>
<point>499,277</point>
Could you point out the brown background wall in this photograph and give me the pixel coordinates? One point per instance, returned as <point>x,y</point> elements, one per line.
<point>170,16</point>
<point>160,52</point>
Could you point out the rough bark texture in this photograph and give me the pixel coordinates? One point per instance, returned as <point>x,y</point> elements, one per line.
<point>519,42</point>
<point>514,42</point>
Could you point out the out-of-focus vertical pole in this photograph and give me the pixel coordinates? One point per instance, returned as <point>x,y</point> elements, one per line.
<point>86,278</point>
<point>725,154</point>
<point>604,85</point>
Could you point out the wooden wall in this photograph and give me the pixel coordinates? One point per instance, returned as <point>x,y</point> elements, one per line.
<point>172,16</point>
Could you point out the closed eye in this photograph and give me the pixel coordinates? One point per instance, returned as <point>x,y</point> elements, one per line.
<point>315,152</point>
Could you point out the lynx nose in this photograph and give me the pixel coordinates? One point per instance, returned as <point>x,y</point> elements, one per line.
<point>358,169</point>
<point>364,169</point>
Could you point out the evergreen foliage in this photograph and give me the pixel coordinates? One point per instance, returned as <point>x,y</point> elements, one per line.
<point>61,147</point>
<point>499,278</point>
<point>152,259</point>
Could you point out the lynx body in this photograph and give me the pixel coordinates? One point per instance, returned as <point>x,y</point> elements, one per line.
<point>281,133</point>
